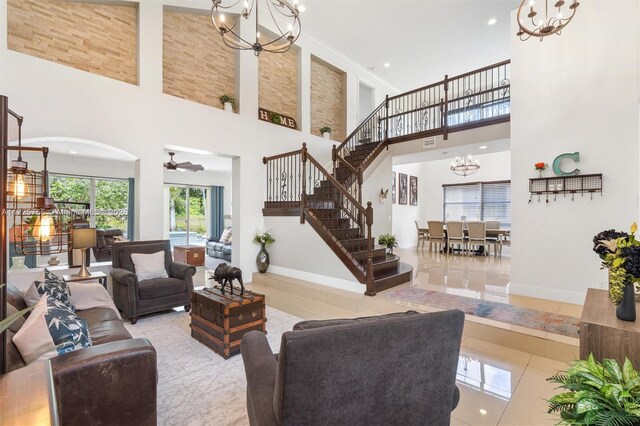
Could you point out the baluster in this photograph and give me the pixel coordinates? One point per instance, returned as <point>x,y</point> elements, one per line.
<point>386,127</point>
<point>303,199</point>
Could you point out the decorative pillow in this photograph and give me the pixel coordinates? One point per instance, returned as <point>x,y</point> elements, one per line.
<point>226,236</point>
<point>149,266</point>
<point>53,286</point>
<point>51,329</point>
<point>88,295</point>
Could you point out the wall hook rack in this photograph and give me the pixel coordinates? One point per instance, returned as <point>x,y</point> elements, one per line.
<point>580,184</point>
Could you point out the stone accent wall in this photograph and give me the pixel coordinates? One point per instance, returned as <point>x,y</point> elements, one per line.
<point>98,38</point>
<point>278,82</point>
<point>196,64</point>
<point>328,97</point>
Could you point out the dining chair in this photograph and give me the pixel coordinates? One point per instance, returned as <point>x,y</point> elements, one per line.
<point>455,235</point>
<point>504,240</point>
<point>493,224</point>
<point>436,233</point>
<point>423,233</point>
<point>477,236</point>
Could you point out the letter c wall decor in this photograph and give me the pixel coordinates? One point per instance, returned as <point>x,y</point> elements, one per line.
<point>557,162</point>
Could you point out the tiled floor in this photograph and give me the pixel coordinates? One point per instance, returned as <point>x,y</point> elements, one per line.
<point>499,385</point>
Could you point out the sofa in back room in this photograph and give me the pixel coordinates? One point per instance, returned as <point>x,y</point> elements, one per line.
<point>221,248</point>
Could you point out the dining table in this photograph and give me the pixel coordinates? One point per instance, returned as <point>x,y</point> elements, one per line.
<point>492,234</point>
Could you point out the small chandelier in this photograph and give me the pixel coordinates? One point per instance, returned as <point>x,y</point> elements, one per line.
<point>465,166</point>
<point>285,18</point>
<point>543,23</point>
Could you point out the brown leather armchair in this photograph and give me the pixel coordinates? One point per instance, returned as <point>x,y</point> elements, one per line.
<point>139,298</point>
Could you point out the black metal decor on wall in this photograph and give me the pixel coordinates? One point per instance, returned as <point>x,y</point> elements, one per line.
<point>402,189</point>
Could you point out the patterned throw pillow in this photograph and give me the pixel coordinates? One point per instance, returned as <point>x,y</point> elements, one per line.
<point>56,288</point>
<point>68,331</point>
<point>226,236</point>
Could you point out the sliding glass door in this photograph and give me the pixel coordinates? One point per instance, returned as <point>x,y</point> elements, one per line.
<point>188,215</point>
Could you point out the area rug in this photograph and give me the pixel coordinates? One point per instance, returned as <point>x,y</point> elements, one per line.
<point>196,386</point>
<point>538,320</point>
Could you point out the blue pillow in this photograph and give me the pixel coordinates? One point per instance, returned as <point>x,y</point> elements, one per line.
<point>56,288</point>
<point>68,331</point>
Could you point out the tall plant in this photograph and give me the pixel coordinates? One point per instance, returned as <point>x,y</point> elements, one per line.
<point>597,394</point>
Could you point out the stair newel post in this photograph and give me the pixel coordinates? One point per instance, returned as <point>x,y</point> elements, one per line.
<point>386,116</point>
<point>360,181</point>
<point>334,159</point>
<point>371,286</point>
<point>303,197</point>
<point>445,115</point>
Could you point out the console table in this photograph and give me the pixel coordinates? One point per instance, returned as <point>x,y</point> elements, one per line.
<point>604,335</point>
<point>27,396</point>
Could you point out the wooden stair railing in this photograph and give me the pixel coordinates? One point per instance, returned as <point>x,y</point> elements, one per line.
<point>332,202</point>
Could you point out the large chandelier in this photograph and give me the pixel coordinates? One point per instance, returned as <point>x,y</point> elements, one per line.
<point>542,20</point>
<point>465,166</point>
<point>286,23</point>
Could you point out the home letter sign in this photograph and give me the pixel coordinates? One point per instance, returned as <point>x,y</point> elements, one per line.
<point>557,162</point>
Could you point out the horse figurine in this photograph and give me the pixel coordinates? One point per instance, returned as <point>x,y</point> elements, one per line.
<point>226,274</point>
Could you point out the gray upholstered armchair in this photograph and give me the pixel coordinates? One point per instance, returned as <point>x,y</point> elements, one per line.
<point>397,369</point>
<point>139,298</point>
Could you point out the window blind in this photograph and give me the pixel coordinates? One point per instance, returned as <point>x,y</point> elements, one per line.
<point>478,201</point>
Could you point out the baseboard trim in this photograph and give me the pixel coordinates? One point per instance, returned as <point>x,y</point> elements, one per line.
<point>548,293</point>
<point>352,286</point>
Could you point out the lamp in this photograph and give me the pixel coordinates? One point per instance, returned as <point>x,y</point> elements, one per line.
<point>84,238</point>
<point>285,18</point>
<point>546,22</point>
<point>462,166</point>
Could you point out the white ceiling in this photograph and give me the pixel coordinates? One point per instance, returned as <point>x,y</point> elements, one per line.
<point>80,148</point>
<point>422,40</point>
<point>449,153</point>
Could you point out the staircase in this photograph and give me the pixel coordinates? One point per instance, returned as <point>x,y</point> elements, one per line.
<point>331,202</point>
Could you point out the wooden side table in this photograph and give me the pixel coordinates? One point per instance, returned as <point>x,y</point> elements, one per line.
<point>191,255</point>
<point>603,334</point>
<point>98,275</point>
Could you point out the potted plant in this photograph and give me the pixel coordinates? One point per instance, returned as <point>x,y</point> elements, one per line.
<point>228,102</point>
<point>326,132</point>
<point>276,118</point>
<point>389,241</point>
<point>620,254</point>
<point>598,394</point>
<point>540,167</point>
<point>262,260</point>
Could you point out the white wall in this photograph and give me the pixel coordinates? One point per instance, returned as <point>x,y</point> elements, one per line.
<point>574,92</point>
<point>404,216</point>
<point>57,100</point>
<point>494,166</point>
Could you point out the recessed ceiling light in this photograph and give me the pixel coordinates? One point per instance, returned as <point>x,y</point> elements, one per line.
<point>492,21</point>
<point>483,147</point>
<point>387,64</point>
<point>73,152</point>
<point>302,8</point>
<point>483,411</point>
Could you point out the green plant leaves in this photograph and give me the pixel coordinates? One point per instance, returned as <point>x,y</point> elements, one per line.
<point>598,393</point>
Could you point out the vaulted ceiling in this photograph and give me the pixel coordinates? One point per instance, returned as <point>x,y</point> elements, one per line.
<point>422,40</point>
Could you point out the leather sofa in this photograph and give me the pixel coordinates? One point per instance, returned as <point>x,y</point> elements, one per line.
<point>154,295</point>
<point>219,250</point>
<point>104,241</point>
<point>397,369</point>
<point>112,382</point>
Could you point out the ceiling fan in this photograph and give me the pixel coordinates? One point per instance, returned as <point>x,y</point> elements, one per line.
<point>173,165</point>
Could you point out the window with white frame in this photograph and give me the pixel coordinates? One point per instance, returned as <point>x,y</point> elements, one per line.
<point>478,201</point>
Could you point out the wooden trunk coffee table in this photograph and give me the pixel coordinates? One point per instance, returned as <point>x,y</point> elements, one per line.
<point>220,320</point>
